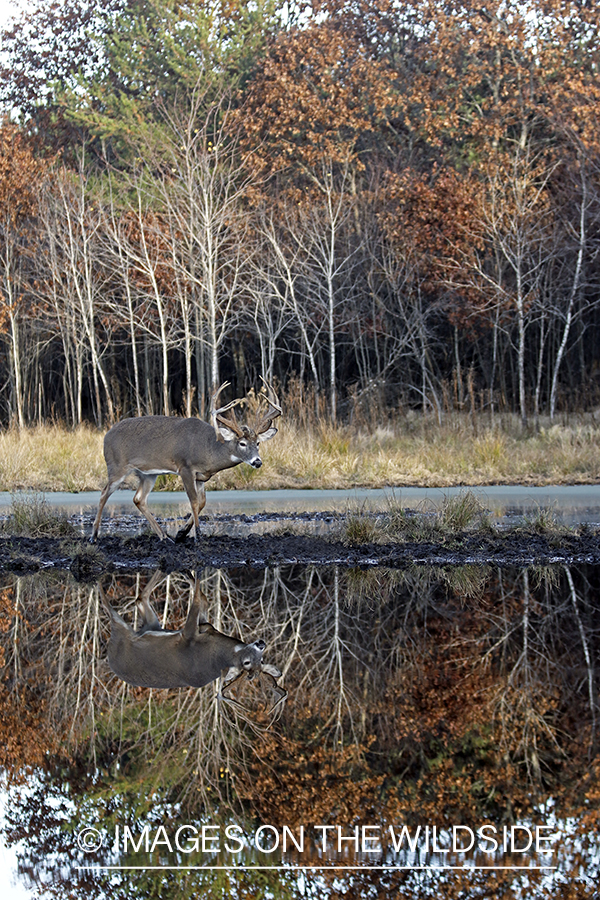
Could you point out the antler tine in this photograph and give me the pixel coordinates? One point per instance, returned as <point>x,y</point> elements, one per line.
<point>217,414</point>
<point>274,410</point>
<point>283,694</point>
<point>223,409</point>
<point>232,681</point>
<point>271,395</point>
<point>283,697</point>
<point>227,685</point>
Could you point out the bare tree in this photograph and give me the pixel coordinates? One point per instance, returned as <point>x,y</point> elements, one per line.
<point>568,313</point>
<point>513,243</point>
<point>309,268</point>
<point>78,279</point>
<point>11,291</point>
<point>203,188</point>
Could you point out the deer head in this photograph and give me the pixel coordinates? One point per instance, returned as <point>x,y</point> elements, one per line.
<point>246,438</point>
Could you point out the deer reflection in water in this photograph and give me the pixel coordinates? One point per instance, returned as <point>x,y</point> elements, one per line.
<point>193,656</point>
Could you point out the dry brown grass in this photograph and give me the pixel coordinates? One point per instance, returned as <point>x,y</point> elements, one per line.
<point>51,458</point>
<point>424,453</point>
<point>411,451</point>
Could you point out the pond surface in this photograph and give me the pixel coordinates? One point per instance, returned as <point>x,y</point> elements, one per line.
<point>421,732</point>
<point>506,503</point>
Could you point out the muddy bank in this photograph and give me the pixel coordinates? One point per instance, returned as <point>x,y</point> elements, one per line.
<point>519,547</point>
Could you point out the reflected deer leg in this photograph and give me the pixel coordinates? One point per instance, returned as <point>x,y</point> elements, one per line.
<point>199,605</point>
<point>140,497</point>
<point>196,621</point>
<point>148,618</point>
<point>197,497</point>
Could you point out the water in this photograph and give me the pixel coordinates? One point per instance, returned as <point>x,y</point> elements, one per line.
<point>458,704</point>
<point>448,715</point>
<point>507,504</point>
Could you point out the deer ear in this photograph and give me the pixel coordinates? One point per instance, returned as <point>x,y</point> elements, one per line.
<point>270,670</point>
<point>227,434</point>
<point>269,433</point>
<point>232,673</point>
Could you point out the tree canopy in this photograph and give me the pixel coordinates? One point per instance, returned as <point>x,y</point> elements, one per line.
<point>412,196</point>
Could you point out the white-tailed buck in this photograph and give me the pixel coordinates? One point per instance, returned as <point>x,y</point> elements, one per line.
<point>149,446</point>
<point>192,657</point>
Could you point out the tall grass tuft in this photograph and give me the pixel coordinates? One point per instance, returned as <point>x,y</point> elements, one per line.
<point>544,521</point>
<point>456,515</point>
<point>361,528</point>
<point>461,511</point>
<point>32,516</point>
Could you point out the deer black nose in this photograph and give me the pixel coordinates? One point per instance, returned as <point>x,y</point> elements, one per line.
<point>260,645</point>
<point>257,463</point>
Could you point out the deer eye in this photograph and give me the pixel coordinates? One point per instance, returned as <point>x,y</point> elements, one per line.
<point>247,663</point>
<point>243,443</point>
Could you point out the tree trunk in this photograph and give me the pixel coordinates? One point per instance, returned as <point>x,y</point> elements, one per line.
<point>572,297</point>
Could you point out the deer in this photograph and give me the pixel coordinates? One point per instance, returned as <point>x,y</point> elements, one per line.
<point>194,656</point>
<point>149,446</point>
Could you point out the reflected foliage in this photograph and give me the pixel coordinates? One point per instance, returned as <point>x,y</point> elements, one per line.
<point>414,697</point>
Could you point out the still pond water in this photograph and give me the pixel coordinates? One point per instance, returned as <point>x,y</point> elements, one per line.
<point>572,504</point>
<point>410,734</point>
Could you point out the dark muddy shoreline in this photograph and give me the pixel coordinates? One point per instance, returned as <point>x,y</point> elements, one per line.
<point>518,547</point>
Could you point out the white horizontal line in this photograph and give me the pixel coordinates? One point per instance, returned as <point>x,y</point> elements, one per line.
<point>320,868</point>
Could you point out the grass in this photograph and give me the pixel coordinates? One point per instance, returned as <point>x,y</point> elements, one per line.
<point>51,458</point>
<point>462,511</point>
<point>411,450</point>
<point>32,516</point>
<point>375,586</point>
<point>456,515</point>
<point>455,519</point>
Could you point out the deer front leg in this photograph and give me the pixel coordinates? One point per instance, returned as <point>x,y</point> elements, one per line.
<point>197,497</point>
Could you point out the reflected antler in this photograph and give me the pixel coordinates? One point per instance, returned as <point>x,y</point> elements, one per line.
<point>217,416</point>
<point>267,670</point>
<point>274,410</point>
<point>283,694</point>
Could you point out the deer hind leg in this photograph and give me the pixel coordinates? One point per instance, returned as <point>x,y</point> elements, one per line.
<point>140,497</point>
<point>112,485</point>
<point>197,621</point>
<point>148,618</point>
<point>197,502</point>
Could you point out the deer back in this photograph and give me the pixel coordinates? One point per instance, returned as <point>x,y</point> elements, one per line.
<point>154,657</point>
<point>155,444</point>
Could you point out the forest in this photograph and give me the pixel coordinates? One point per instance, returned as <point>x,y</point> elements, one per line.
<point>378,205</point>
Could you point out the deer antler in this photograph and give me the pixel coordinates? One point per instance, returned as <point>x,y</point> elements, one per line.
<point>217,416</point>
<point>273,411</point>
<point>266,671</point>
<point>279,691</point>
